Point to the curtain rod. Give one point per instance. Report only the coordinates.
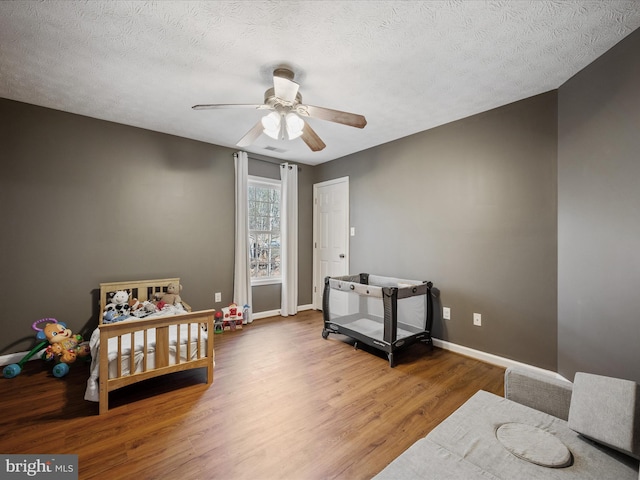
(260, 158)
(291, 165)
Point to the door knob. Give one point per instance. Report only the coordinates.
(342, 255)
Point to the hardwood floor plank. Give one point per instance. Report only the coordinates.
(285, 404)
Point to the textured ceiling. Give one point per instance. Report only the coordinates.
(406, 65)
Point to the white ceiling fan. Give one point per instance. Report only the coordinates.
(286, 111)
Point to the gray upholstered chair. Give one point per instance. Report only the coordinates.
(603, 409)
(545, 428)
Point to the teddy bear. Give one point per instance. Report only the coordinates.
(171, 296)
(64, 347)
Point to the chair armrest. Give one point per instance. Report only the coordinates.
(536, 390)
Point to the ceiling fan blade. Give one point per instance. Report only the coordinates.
(337, 116)
(284, 86)
(251, 136)
(311, 138)
(229, 105)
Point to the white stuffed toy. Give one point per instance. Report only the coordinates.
(119, 307)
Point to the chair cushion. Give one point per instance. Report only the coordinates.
(606, 410)
(534, 445)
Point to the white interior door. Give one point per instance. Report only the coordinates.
(330, 233)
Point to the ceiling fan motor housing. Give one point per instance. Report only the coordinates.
(277, 103)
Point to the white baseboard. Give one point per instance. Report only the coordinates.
(15, 358)
(265, 314)
(275, 313)
(490, 358)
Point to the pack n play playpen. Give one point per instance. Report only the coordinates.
(383, 312)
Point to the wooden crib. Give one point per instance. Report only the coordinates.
(161, 345)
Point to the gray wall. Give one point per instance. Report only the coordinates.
(471, 206)
(598, 216)
(87, 201)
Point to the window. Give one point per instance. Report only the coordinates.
(264, 230)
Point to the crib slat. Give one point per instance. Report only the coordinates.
(178, 343)
(132, 356)
(145, 350)
(189, 342)
(162, 347)
(119, 358)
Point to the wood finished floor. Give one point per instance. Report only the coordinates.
(285, 404)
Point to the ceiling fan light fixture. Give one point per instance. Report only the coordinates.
(286, 119)
(272, 123)
(294, 125)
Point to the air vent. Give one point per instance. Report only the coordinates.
(275, 149)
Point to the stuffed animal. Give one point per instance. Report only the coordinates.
(134, 304)
(142, 309)
(118, 307)
(171, 297)
(64, 346)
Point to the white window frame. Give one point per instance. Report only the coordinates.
(270, 182)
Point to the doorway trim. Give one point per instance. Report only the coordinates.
(318, 284)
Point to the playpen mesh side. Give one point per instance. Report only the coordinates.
(412, 305)
(348, 298)
(361, 305)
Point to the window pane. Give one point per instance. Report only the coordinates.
(264, 230)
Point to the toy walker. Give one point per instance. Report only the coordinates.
(59, 345)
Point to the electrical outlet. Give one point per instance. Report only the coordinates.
(477, 319)
(218, 297)
(446, 313)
